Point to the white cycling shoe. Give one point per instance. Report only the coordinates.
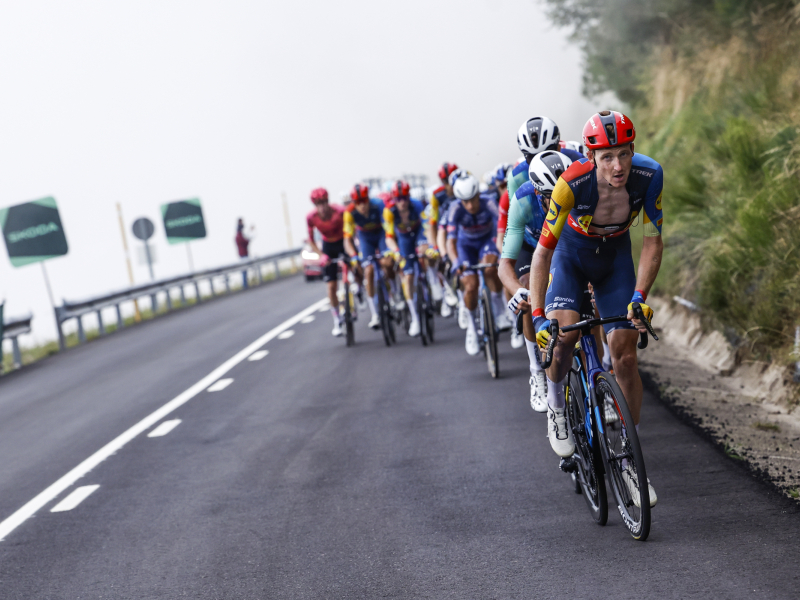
(447, 310)
(538, 392)
(471, 343)
(375, 322)
(503, 322)
(337, 330)
(629, 477)
(463, 316)
(517, 341)
(450, 297)
(558, 432)
(413, 329)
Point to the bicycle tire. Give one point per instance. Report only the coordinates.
(490, 335)
(385, 316)
(620, 440)
(589, 478)
(420, 302)
(348, 315)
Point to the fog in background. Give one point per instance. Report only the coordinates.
(234, 102)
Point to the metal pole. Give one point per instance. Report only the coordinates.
(287, 219)
(149, 260)
(189, 254)
(136, 314)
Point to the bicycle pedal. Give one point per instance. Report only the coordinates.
(568, 465)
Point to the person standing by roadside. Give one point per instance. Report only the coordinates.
(242, 244)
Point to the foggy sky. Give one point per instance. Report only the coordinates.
(234, 102)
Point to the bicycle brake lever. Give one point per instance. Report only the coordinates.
(551, 344)
(638, 313)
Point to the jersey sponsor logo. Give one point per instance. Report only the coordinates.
(560, 299)
(642, 172)
(550, 282)
(584, 222)
(658, 202)
(552, 214)
(582, 207)
(576, 182)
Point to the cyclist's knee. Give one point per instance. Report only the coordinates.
(625, 361)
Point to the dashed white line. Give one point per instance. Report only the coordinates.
(308, 319)
(34, 505)
(286, 334)
(164, 428)
(325, 307)
(258, 355)
(77, 496)
(220, 385)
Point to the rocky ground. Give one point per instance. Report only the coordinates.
(745, 409)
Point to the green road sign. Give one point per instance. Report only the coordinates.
(183, 221)
(33, 231)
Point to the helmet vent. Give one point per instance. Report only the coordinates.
(612, 138)
(544, 138)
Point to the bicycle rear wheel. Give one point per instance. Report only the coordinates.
(621, 451)
(490, 334)
(588, 461)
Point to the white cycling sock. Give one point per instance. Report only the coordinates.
(335, 314)
(606, 356)
(474, 321)
(555, 394)
(412, 308)
(373, 305)
(533, 356)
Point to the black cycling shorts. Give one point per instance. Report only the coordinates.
(524, 259)
(332, 250)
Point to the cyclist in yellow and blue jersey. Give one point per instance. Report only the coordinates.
(585, 238)
(402, 223)
(364, 218)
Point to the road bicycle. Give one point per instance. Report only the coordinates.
(385, 310)
(346, 299)
(487, 336)
(606, 442)
(423, 301)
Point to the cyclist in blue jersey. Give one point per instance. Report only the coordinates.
(365, 216)
(437, 208)
(402, 223)
(471, 226)
(598, 199)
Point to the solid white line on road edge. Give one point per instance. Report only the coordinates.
(77, 496)
(258, 355)
(325, 306)
(220, 385)
(286, 335)
(308, 319)
(164, 428)
(50, 493)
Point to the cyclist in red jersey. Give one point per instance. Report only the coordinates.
(328, 219)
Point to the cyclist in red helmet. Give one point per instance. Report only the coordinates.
(328, 219)
(586, 238)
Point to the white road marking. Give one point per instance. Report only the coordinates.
(286, 335)
(220, 385)
(77, 496)
(325, 306)
(308, 319)
(258, 355)
(164, 428)
(44, 497)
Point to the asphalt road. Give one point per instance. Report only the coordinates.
(329, 472)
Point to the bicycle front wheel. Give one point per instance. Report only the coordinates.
(385, 315)
(420, 304)
(588, 461)
(623, 458)
(489, 334)
(348, 315)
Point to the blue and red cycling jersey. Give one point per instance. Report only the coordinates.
(465, 227)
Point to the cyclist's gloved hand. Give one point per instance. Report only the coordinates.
(638, 296)
(324, 260)
(354, 261)
(521, 295)
(457, 268)
(541, 325)
(432, 253)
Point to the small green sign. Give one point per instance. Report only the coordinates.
(183, 221)
(33, 232)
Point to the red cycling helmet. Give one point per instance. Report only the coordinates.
(319, 195)
(360, 193)
(608, 129)
(400, 189)
(388, 201)
(446, 169)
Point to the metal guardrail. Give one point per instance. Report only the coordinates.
(12, 329)
(78, 309)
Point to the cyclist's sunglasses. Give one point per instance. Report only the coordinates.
(321, 202)
(361, 200)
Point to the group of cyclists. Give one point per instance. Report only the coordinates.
(551, 237)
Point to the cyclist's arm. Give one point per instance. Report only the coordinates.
(540, 275)
(311, 241)
(388, 228)
(349, 229)
(653, 245)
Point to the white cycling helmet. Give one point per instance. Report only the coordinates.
(545, 170)
(536, 135)
(451, 179)
(465, 184)
(577, 146)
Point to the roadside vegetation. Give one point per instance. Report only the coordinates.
(714, 89)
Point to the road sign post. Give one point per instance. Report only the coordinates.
(33, 233)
